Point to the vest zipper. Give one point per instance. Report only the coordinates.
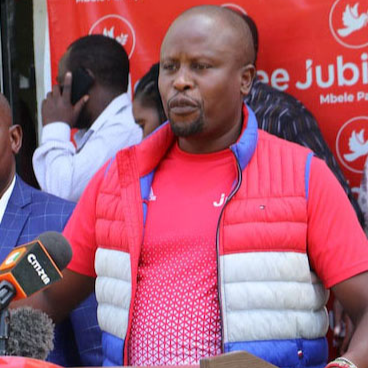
(231, 195)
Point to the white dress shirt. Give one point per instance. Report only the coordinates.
(5, 199)
(63, 169)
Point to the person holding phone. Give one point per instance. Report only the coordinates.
(91, 95)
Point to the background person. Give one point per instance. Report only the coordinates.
(148, 111)
(103, 116)
(25, 213)
(363, 195)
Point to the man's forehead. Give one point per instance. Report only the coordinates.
(199, 29)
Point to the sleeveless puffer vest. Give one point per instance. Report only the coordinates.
(272, 304)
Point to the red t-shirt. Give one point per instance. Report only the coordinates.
(176, 318)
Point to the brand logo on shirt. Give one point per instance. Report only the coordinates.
(221, 201)
(349, 23)
(152, 196)
(352, 144)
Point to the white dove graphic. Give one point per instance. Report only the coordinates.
(357, 146)
(352, 20)
(109, 32)
(123, 38)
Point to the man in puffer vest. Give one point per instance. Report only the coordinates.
(212, 236)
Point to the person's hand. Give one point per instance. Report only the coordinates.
(57, 107)
(343, 328)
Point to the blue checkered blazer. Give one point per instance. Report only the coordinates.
(29, 213)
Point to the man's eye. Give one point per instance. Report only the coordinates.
(169, 66)
(201, 66)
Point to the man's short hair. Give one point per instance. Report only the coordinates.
(105, 57)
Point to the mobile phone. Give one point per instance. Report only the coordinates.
(82, 81)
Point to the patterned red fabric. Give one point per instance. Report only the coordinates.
(176, 318)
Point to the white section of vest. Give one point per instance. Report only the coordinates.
(113, 290)
(271, 295)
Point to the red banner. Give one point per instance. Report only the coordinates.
(317, 50)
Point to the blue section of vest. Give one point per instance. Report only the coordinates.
(307, 173)
(293, 353)
(113, 349)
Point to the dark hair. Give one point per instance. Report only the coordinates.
(105, 57)
(147, 91)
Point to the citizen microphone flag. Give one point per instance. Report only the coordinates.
(33, 266)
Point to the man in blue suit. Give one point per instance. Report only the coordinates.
(24, 214)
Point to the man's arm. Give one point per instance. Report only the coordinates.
(353, 295)
(62, 297)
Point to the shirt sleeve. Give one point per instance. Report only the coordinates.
(80, 229)
(63, 171)
(301, 127)
(337, 245)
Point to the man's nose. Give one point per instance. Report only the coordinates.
(183, 79)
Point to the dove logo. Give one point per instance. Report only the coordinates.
(352, 144)
(117, 27)
(349, 23)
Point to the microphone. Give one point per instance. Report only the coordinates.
(31, 333)
(31, 267)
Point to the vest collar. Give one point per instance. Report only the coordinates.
(153, 148)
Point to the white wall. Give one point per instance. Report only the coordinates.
(42, 55)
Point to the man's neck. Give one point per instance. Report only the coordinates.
(102, 99)
(7, 182)
(5, 196)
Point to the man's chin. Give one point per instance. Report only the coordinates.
(186, 129)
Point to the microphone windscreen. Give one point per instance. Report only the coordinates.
(31, 333)
(58, 248)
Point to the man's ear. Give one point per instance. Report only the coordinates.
(248, 73)
(16, 135)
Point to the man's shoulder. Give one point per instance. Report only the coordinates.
(273, 141)
(43, 197)
(44, 200)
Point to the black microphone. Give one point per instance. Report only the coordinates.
(31, 333)
(33, 266)
(30, 268)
